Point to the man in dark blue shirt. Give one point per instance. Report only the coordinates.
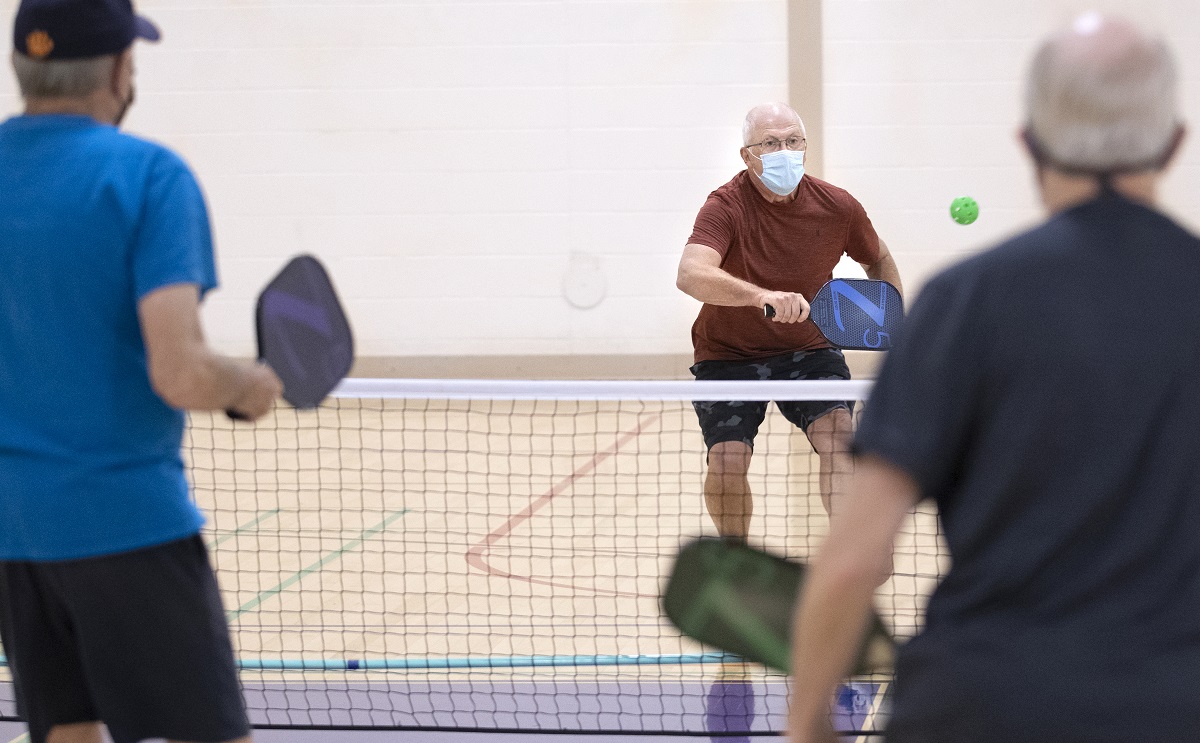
(1046, 395)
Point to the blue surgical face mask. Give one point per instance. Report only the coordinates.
(782, 170)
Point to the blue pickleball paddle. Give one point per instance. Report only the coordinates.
(858, 314)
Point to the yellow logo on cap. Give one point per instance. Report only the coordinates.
(39, 44)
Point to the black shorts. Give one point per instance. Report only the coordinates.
(739, 421)
(137, 640)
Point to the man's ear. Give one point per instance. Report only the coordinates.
(1025, 135)
(122, 63)
(1173, 149)
(745, 153)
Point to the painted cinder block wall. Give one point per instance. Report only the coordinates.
(518, 178)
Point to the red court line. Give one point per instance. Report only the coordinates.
(475, 555)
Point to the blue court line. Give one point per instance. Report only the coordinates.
(485, 661)
(248, 525)
(297, 577)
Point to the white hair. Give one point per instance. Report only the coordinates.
(763, 111)
(61, 78)
(1101, 97)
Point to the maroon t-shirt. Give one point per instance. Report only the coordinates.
(790, 247)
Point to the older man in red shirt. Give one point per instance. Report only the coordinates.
(772, 235)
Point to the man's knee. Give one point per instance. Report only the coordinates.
(729, 458)
(830, 434)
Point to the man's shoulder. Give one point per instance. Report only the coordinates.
(1009, 266)
(1000, 265)
(825, 186)
(728, 201)
(732, 191)
(145, 150)
(1063, 237)
(830, 192)
(82, 132)
(125, 155)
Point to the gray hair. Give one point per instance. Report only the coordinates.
(61, 78)
(1101, 97)
(764, 110)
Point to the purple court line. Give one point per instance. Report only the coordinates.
(475, 555)
(725, 709)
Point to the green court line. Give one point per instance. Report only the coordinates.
(23, 738)
(248, 525)
(296, 578)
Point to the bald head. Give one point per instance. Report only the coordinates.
(1101, 97)
(769, 116)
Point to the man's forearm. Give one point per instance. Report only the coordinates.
(835, 605)
(829, 625)
(713, 285)
(206, 381)
(885, 269)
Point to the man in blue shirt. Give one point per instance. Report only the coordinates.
(109, 609)
(1046, 395)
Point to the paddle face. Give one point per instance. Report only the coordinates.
(740, 600)
(858, 314)
(303, 334)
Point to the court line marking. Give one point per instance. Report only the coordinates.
(316, 566)
(22, 738)
(475, 555)
(249, 524)
(426, 663)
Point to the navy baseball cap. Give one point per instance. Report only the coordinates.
(76, 29)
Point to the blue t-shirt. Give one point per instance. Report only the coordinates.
(91, 220)
(1047, 395)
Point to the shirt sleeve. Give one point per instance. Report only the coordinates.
(862, 242)
(929, 390)
(715, 226)
(173, 243)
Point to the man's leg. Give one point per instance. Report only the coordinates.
(727, 489)
(729, 429)
(51, 687)
(830, 438)
(82, 732)
(160, 662)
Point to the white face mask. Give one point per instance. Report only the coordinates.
(782, 170)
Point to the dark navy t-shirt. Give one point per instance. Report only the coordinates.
(1046, 394)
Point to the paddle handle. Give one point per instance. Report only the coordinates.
(768, 311)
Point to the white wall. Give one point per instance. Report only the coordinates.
(923, 101)
(452, 160)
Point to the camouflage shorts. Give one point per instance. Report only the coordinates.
(739, 421)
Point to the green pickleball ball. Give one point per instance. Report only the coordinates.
(964, 210)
